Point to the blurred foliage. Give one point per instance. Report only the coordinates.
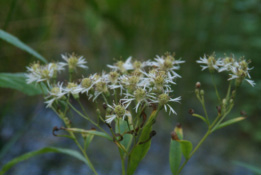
(102, 30)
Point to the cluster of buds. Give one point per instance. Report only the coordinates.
(136, 84)
(237, 69)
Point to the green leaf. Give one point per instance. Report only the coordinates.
(26, 156)
(140, 150)
(252, 168)
(88, 139)
(121, 126)
(186, 147)
(229, 122)
(16, 42)
(201, 117)
(175, 155)
(18, 81)
(92, 132)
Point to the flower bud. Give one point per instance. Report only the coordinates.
(198, 85)
(191, 111)
(202, 92)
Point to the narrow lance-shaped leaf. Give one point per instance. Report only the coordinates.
(143, 146)
(26, 156)
(18, 81)
(175, 153)
(186, 147)
(252, 168)
(16, 42)
(229, 122)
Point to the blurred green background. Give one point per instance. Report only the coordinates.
(102, 30)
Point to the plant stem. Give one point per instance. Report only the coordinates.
(219, 99)
(195, 149)
(86, 117)
(204, 108)
(122, 162)
(78, 144)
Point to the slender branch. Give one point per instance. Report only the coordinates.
(213, 80)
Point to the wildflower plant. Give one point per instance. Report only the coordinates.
(128, 98)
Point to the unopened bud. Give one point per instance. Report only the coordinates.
(174, 136)
(104, 105)
(191, 111)
(197, 91)
(243, 113)
(198, 85)
(202, 92)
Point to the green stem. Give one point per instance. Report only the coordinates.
(85, 117)
(122, 162)
(78, 144)
(219, 99)
(195, 149)
(204, 108)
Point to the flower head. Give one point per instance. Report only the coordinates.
(74, 61)
(119, 111)
(122, 66)
(55, 93)
(209, 63)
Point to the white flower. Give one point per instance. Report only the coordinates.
(118, 111)
(43, 73)
(73, 61)
(169, 64)
(101, 85)
(122, 66)
(240, 74)
(209, 63)
(73, 88)
(88, 83)
(56, 93)
(164, 99)
(157, 80)
(226, 64)
(140, 96)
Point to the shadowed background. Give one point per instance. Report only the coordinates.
(107, 29)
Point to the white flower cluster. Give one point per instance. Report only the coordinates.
(237, 69)
(129, 84)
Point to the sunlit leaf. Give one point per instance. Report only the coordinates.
(16, 42)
